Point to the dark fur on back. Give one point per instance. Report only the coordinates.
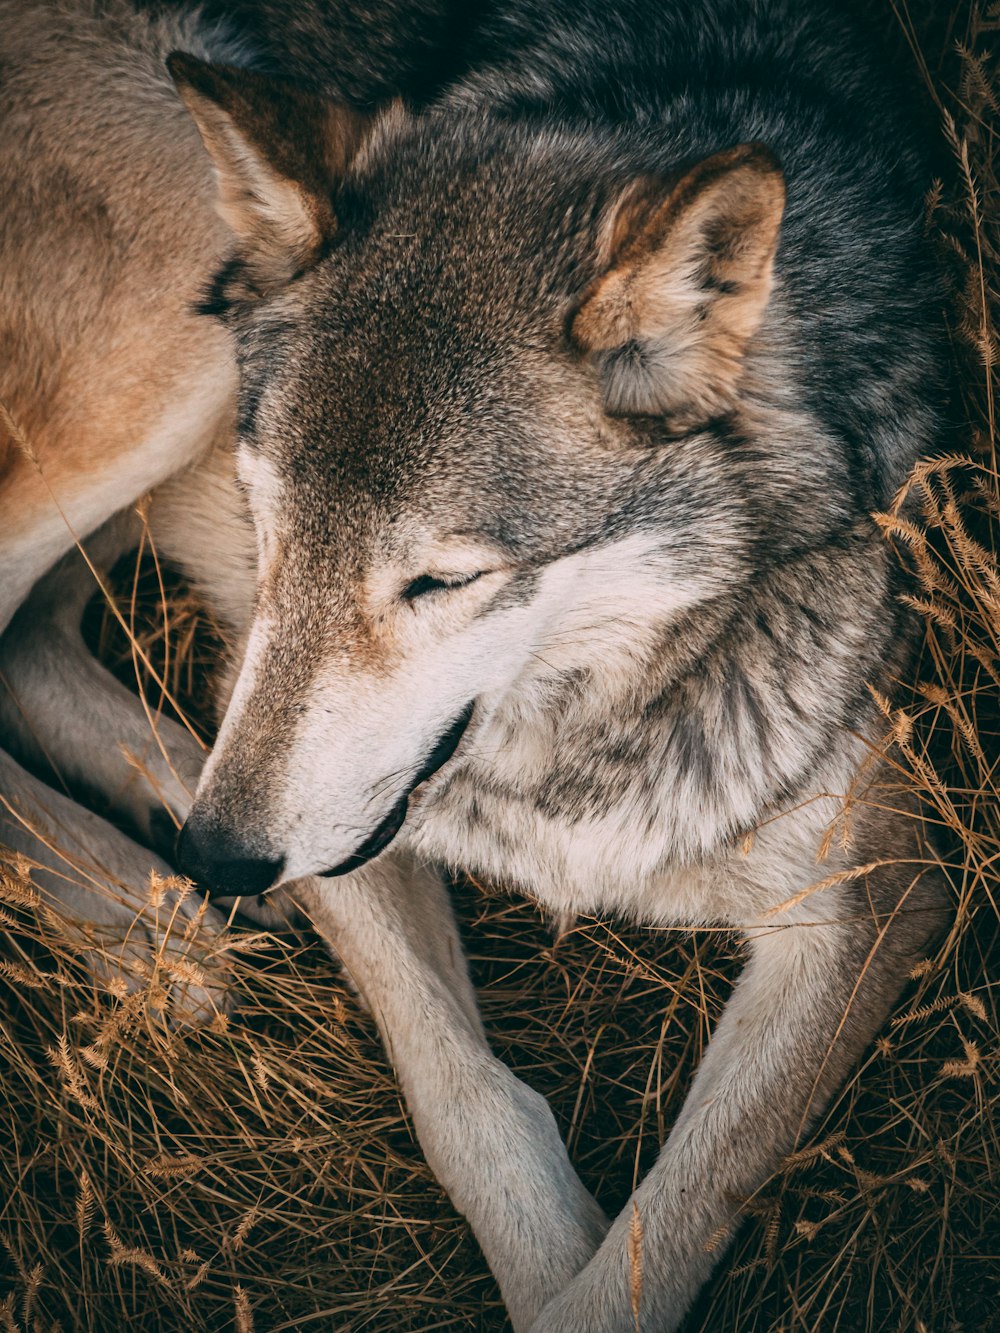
(363, 53)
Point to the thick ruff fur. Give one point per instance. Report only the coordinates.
(568, 401)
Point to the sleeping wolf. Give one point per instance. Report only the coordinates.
(562, 409)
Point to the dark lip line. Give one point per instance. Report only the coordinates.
(441, 751)
(443, 748)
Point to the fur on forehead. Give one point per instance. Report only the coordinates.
(515, 212)
(461, 323)
(431, 371)
(496, 226)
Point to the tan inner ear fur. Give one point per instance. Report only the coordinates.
(276, 152)
(690, 276)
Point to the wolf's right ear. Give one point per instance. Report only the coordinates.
(277, 152)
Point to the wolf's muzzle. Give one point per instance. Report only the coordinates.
(438, 756)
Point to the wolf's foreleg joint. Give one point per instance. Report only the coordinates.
(491, 1141)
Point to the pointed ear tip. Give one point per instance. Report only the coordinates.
(764, 160)
(757, 174)
(192, 79)
(762, 153)
(745, 172)
(197, 78)
(181, 65)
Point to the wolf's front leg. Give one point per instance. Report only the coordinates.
(810, 998)
(491, 1141)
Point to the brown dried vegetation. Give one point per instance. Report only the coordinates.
(261, 1173)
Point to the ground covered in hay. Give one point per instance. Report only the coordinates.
(261, 1173)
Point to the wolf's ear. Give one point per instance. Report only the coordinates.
(277, 151)
(689, 269)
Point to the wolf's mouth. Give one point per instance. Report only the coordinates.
(440, 752)
(443, 748)
(374, 843)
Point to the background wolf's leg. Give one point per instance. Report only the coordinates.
(62, 712)
(100, 882)
(809, 1000)
(491, 1141)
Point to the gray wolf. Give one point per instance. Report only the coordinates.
(561, 408)
(564, 407)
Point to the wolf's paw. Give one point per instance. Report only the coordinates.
(100, 898)
(172, 948)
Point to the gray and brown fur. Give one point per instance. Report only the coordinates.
(580, 419)
(568, 398)
(116, 386)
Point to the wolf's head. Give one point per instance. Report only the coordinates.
(483, 370)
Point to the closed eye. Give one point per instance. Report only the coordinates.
(428, 583)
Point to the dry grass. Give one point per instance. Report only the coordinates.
(262, 1174)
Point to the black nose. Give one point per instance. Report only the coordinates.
(225, 867)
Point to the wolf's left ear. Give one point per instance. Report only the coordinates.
(688, 278)
(277, 152)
